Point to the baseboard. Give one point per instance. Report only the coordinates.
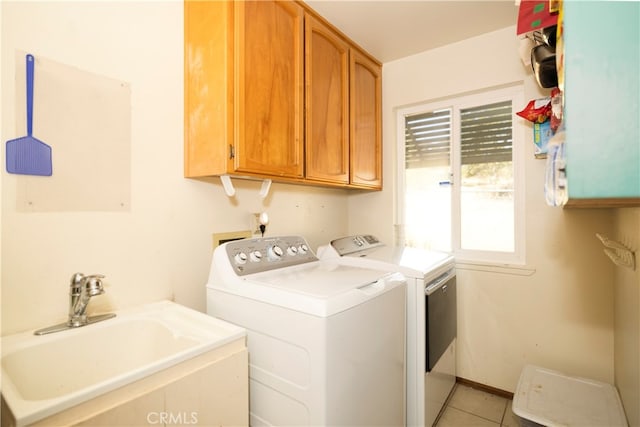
(483, 387)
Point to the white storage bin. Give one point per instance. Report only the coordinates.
(549, 398)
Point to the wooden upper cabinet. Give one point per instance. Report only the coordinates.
(208, 87)
(365, 127)
(272, 90)
(269, 64)
(327, 103)
(244, 88)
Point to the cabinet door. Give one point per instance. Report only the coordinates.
(366, 128)
(208, 87)
(327, 103)
(269, 88)
(602, 103)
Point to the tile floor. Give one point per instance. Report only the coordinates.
(468, 407)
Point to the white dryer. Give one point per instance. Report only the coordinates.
(326, 340)
(431, 316)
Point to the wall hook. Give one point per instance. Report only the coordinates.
(231, 191)
(264, 190)
(618, 253)
(227, 185)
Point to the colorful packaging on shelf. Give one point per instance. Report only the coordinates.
(556, 109)
(535, 15)
(542, 133)
(537, 110)
(555, 186)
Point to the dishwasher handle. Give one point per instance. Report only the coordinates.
(439, 282)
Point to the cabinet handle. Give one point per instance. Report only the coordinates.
(232, 153)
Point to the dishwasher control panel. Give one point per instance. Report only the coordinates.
(249, 256)
(358, 243)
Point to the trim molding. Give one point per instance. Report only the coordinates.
(483, 387)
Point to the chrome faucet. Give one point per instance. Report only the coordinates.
(82, 288)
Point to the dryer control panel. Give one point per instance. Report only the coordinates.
(358, 243)
(249, 256)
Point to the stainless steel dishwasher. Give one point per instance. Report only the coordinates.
(440, 317)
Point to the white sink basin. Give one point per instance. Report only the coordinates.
(42, 375)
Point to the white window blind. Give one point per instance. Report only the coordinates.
(485, 136)
(486, 133)
(428, 139)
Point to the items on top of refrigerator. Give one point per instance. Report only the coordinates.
(535, 15)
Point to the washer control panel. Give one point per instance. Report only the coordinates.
(358, 243)
(249, 256)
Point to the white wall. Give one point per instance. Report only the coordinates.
(161, 247)
(561, 316)
(627, 316)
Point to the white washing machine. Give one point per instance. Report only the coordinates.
(326, 340)
(431, 316)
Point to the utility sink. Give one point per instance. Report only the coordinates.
(42, 375)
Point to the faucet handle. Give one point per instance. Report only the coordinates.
(91, 281)
(93, 284)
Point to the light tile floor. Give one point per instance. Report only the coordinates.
(468, 407)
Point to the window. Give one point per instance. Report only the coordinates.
(460, 176)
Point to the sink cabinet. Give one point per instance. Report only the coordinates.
(273, 91)
(209, 389)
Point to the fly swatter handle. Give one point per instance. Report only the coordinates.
(30, 73)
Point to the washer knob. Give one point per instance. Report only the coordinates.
(275, 252)
(292, 250)
(255, 256)
(240, 258)
(303, 249)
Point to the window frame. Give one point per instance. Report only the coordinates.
(515, 93)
